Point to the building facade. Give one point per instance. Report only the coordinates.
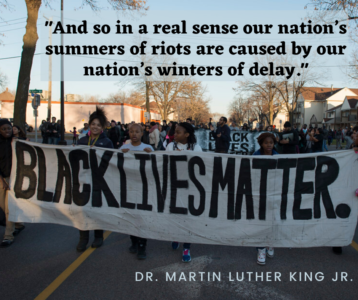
(316, 106)
(77, 113)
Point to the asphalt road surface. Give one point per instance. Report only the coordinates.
(43, 263)
(32, 266)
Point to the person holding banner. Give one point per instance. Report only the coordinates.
(221, 136)
(354, 146)
(94, 137)
(267, 142)
(289, 139)
(6, 136)
(184, 140)
(135, 133)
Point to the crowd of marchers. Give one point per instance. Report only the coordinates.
(153, 136)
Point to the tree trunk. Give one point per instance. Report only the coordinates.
(271, 111)
(28, 51)
(147, 88)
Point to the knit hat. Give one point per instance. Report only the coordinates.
(287, 124)
(4, 121)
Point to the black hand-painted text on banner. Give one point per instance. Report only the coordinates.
(284, 200)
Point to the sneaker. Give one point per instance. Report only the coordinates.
(141, 252)
(186, 255)
(18, 230)
(82, 245)
(261, 256)
(6, 243)
(175, 245)
(337, 250)
(97, 242)
(270, 252)
(134, 248)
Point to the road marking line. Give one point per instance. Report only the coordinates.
(354, 245)
(63, 276)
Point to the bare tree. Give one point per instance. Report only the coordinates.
(346, 11)
(3, 80)
(119, 97)
(349, 8)
(291, 89)
(264, 88)
(238, 110)
(30, 40)
(192, 102)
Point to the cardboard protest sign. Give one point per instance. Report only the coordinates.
(283, 201)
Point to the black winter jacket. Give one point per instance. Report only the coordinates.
(222, 143)
(5, 156)
(102, 142)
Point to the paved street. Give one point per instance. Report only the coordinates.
(43, 251)
(43, 262)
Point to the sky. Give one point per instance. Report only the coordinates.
(13, 22)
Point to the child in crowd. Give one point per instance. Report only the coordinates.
(74, 140)
(267, 143)
(184, 140)
(135, 144)
(19, 133)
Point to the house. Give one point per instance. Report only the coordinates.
(6, 95)
(349, 111)
(316, 105)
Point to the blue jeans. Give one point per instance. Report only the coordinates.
(324, 146)
(186, 246)
(53, 140)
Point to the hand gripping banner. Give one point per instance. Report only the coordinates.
(303, 200)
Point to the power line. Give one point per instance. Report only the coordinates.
(16, 28)
(12, 24)
(13, 20)
(3, 58)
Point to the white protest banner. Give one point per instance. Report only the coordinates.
(281, 201)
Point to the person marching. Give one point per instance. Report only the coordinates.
(6, 136)
(184, 140)
(221, 136)
(19, 133)
(135, 133)
(95, 137)
(267, 143)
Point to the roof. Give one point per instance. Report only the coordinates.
(320, 93)
(6, 95)
(352, 100)
(328, 121)
(334, 108)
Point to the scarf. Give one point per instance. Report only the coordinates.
(153, 128)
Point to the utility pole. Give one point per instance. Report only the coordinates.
(62, 141)
(49, 72)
